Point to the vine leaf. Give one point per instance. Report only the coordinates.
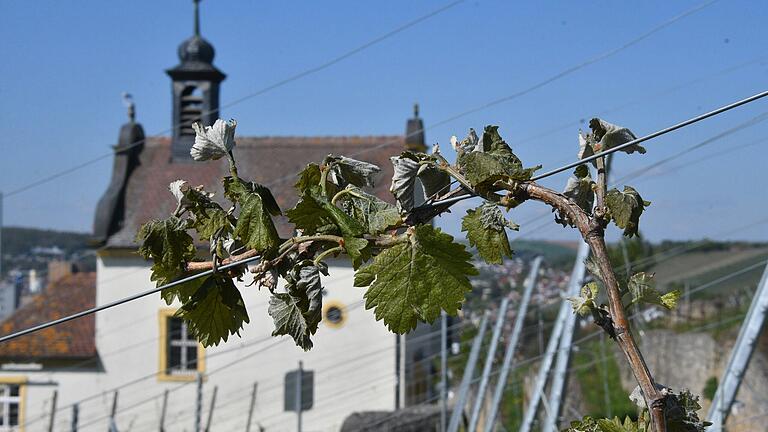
(492, 160)
(309, 180)
(626, 208)
(409, 167)
(587, 300)
(404, 181)
(309, 216)
(610, 135)
(343, 171)
(642, 288)
(254, 225)
(358, 250)
(237, 189)
(579, 190)
(215, 311)
(315, 214)
(298, 311)
(209, 219)
(168, 245)
(414, 280)
(373, 213)
(486, 230)
(213, 142)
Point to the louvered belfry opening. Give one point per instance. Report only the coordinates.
(191, 109)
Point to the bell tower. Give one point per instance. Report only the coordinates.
(195, 85)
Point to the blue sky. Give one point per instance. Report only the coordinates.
(66, 64)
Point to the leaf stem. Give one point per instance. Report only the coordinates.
(232, 166)
(325, 253)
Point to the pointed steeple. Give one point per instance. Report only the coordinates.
(414, 132)
(195, 87)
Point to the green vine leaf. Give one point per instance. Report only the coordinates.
(209, 219)
(168, 245)
(237, 190)
(625, 208)
(587, 300)
(358, 249)
(298, 311)
(317, 215)
(254, 224)
(375, 215)
(309, 216)
(414, 280)
(215, 311)
(309, 180)
(642, 288)
(486, 230)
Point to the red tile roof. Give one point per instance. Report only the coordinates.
(72, 340)
(272, 161)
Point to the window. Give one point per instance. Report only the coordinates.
(12, 395)
(181, 356)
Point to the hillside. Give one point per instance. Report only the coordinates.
(32, 248)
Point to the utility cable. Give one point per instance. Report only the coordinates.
(494, 102)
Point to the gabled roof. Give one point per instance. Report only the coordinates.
(272, 161)
(72, 340)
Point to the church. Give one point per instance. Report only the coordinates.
(136, 367)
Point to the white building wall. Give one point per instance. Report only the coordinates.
(354, 365)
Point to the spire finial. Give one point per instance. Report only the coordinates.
(415, 110)
(130, 106)
(197, 17)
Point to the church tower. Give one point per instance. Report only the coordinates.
(195, 87)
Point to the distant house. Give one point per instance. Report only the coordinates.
(141, 350)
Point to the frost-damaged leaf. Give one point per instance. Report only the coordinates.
(579, 190)
(414, 280)
(610, 135)
(407, 168)
(586, 301)
(626, 208)
(343, 171)
(254, 225)
(215, 311)
(433, 180)
(486, 230)
(298, 311)
(468, 144)
(209, 219)
(494, 161)
(404, 181)
(374, 214)
(213, 142)
(587, 145)
(642, 287)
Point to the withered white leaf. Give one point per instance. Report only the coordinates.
(213, 142)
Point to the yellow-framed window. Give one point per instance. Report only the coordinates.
(181, 357)
(13, 395)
